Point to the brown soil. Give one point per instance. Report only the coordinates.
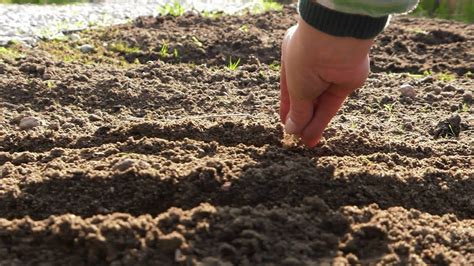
(411, 45)
(168, 163)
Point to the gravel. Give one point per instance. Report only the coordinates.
(29, 23)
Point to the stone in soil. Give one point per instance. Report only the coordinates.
(86, 48)
(28, 122)
(408, 90)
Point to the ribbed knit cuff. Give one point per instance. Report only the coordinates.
(340, 24)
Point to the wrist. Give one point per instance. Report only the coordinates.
(338, 23)
(329, 50)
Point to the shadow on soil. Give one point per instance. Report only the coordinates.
(279, 177)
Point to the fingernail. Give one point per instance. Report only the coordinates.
(290, 126)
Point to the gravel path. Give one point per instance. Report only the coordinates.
(28, 23)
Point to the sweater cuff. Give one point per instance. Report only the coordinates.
(340, 24)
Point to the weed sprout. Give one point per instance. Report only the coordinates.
(244, 28)
(233, 65)
(274, 66)
(164, 50)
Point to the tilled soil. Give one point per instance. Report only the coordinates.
(169, 161)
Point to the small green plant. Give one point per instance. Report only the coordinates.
(427, 73)
(452, 130)
(274, 66)
(353, 124)
(388, 107)
(267, 5)
(233, 65)
(123, 47)
(244, 28)
(164, 50)
(10, 53)
(446, 77)
(465, 108)
(50, 84)
(175, 9)
(212, 14)
(175, 53)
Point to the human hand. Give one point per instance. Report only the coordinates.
(318, 72)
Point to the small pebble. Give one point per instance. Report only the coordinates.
(454, 107)
(467, 97)
(68, 125)
(123, 165)
(436, 89)
(428, 79)
(28, 122)
(226, 186)
(74, 37)
(78, 121)
(407, 90)
(86, 48)
(94, 118)
(408, 126)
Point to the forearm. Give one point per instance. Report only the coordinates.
(360, 19)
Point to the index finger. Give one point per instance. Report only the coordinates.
(329, 103)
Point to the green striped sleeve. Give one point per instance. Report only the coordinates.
(373, 8)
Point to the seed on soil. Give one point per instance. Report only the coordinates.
(28, 122)
(86, 48)
(407, 90)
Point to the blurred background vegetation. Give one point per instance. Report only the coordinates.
(461, 10)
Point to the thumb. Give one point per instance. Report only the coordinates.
(300, 114)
